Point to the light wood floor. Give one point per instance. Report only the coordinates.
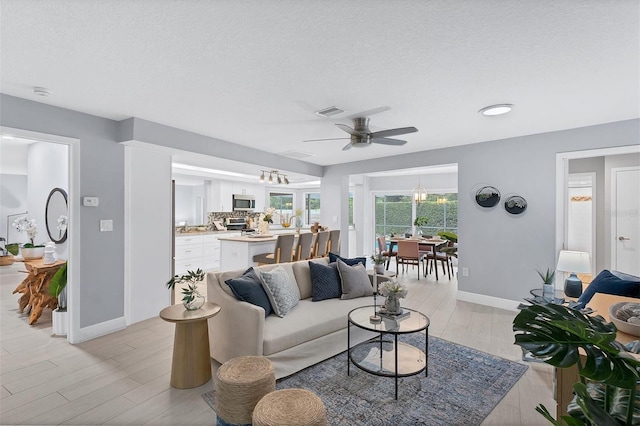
(123, 378)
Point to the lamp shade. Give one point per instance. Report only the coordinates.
(574, 261)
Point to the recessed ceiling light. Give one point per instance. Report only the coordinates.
(498, 109)
(7, 137)
(41, 91)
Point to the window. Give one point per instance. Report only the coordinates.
(282, 202)
(441, 211)
(311, 208)
(394, 214)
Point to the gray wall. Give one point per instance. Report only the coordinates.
(502, 251)
(102, 175)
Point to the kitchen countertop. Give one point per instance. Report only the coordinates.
(191, 233)
(247, 239)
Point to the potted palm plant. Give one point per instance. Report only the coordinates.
(57, 288)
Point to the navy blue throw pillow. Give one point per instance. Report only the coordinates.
(248, 288)
(325, 282)
(608, 283)
(351, 262)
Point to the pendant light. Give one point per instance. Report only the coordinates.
(419, 194)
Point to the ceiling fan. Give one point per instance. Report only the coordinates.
(361, 136)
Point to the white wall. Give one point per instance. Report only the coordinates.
(148, 232)
(13, 200)
(48, 165)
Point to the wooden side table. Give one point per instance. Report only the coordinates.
(35, 288)
(191, 365)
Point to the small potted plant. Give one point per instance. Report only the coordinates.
(378, 261)
(29, 250)
(6, 258)
(548, 292)
(191, 298)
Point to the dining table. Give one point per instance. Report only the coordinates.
(424, 244)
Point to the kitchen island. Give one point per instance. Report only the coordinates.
(238, 252)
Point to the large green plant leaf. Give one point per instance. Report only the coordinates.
(58, 281)
(556, 333)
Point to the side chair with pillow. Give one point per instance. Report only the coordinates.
(281, 254)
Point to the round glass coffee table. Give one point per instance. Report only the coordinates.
(384, 355)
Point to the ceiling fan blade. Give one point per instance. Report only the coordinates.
(347, 147)
(348, 129)
(393, 132)
(327, 139)
(387, 141)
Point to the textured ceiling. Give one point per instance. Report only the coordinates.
(253, 72)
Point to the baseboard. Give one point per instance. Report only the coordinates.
(101, 329)
(481, 299)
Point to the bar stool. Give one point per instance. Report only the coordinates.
(303, 248)
(334, 241)
(282, 253)
(322, 244)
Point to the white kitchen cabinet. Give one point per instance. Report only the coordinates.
(195, 251)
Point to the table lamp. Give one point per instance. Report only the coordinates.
(573, 262)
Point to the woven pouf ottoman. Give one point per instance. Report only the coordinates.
(241, 382)
(291, 407)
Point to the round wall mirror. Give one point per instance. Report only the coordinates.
(56, 215)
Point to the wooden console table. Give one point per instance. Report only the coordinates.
(566, 377)
(35, 288)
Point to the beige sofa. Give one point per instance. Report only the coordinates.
(311, 332)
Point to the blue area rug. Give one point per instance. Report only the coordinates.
(463, 386)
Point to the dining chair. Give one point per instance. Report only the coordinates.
(383, 250)
(440, 256)
(334, 241)
(322, 244)
(409, 254)
(304, 246)
(282, 253)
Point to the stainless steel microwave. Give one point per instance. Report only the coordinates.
(243, 203)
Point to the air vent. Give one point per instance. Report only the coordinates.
(298, 155)
(329, 112)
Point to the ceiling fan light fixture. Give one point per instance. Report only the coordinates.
(497, 109)
(286, 180)
(270, 178)
(262, 177)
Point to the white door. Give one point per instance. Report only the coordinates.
(625, 224)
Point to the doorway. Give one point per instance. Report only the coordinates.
(625, 226)
(44, 175)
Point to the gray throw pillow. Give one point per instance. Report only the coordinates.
(283, 293)
(355, 281)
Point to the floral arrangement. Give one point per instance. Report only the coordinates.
(268, 215)
(23, 224)
(392, 287)
(378, 258)
(62, 224)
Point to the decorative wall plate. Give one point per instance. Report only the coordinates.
(515, 204)
(487, 196)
